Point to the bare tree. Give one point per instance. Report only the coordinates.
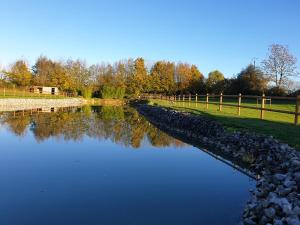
(280, 65)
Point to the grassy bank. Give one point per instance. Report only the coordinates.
(34, 97)
(278, 125)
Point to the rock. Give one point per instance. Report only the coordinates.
(277, 222)
(297, 168)
(284, 191)
(295, 163)
(270, 212)
(279, 201)
(249, 221)
(293, 220)
(264, 220)
(297, 176)
(279, 177)
(261, 194)
(296, 210)
(287, 209)
(289, 183)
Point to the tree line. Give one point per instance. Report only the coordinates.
(132, 77)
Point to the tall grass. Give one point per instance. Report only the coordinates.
(87, 92)
(109, 92)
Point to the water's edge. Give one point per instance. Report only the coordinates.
(276, 165)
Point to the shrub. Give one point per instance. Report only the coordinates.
(109, 92)
(87, 92)
(276, 91)
(295, 93)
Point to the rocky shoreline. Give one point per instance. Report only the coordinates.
(14, 104)
(276, 199)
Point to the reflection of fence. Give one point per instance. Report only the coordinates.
(236, 101)
(26, 93)
(36, 111)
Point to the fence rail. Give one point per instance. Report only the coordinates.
(261, 102)
(15, 92)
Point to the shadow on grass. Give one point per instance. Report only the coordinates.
(283, 131)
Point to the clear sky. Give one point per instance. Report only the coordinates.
(224, 35)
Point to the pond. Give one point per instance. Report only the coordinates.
(110, 166)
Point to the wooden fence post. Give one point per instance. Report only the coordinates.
(190, 97)
(183, 97)
(196, 98)
(239, 104)
(297, 109)
(221, 102)
(262, 111)
(207, 96)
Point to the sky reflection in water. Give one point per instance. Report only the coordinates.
(108, 165)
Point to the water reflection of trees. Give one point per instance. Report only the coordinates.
(121, 125)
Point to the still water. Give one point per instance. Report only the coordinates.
(109, 166)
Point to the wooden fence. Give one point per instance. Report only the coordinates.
(19, 93)
(261, 102)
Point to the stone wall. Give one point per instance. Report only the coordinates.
(14, 104)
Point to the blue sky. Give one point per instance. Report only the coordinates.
(224, 35)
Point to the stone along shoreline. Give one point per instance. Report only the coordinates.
(276, 199)
(14, 104)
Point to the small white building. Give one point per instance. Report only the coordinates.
(44, 90)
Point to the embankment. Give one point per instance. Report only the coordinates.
(14, 104)
(276, 199)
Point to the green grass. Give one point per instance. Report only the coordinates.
(34, 96)
(10, 93)
(278, 125)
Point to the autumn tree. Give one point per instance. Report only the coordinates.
(250, 81)
(162, 77)
(59, 77)
(189, 78)
(79, 73)
(19, 74)
(138, 80)
(183, 76)
(120, 74)
(42, 71)
(105, 75)
(215, 81)
(280, 65)
(51, 73)
(196, 81)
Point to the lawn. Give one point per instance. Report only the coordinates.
(16, 93)
(278, 125)
(35, 97)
